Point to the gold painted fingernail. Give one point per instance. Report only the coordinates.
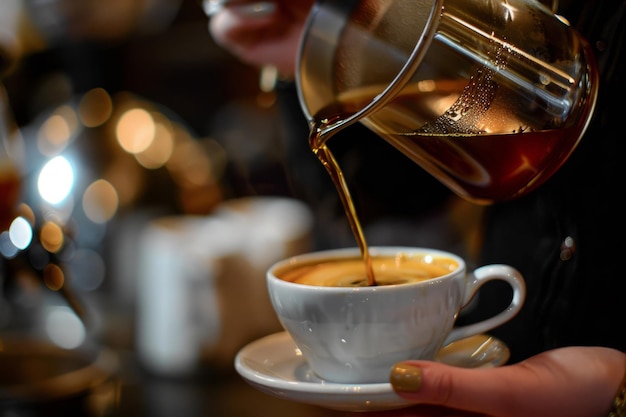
(405, 377)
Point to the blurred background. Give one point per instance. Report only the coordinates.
(147, 180)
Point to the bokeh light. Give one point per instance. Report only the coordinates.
(7, 248)
(20, 233)
(95, 107)
(51, 237)
(160, 149)
(100, 201)
(64, 327)
(53, 277)
(57, 131)
(135, 130)
(55, 180)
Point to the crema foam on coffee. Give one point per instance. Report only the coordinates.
(389, 270)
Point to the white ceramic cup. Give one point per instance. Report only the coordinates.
(356, 334)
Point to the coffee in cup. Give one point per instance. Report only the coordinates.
(351, 332)
(389, 270)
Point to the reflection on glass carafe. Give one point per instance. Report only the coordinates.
(490, 97)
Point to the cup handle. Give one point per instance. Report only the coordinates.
(474, 281)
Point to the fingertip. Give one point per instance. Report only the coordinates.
(406, 377)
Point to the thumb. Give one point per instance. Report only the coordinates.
(579, 381)
(485, 391)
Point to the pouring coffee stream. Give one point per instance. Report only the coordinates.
(317, 141)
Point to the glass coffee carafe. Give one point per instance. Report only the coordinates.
(489, 96)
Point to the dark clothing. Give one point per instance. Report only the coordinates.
(568, 238)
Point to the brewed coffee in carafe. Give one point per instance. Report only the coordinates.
(490, 97)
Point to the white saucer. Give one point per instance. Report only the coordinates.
(274, 365)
